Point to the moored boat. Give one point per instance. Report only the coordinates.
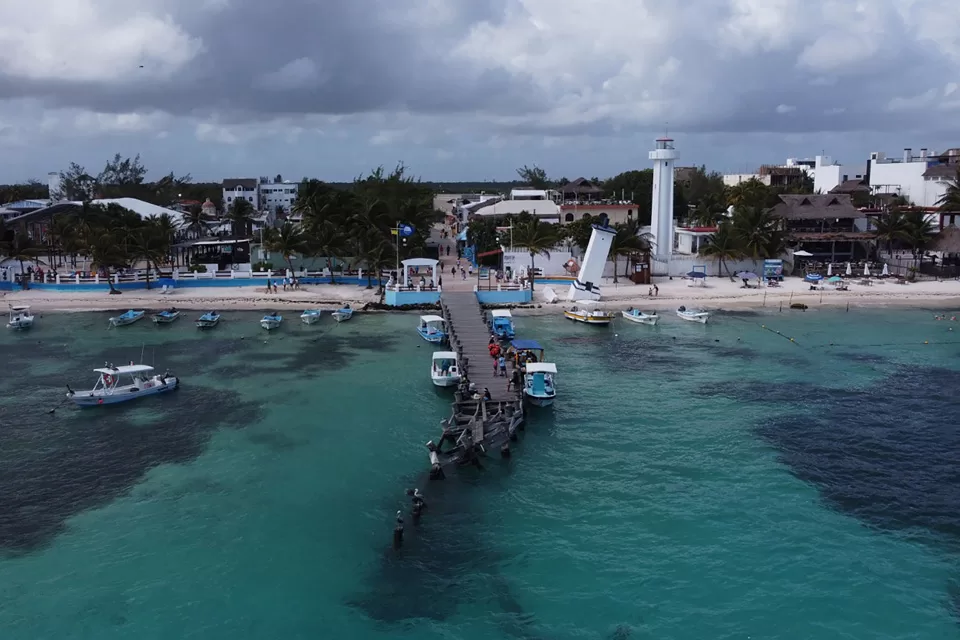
(208, 320)
(445, 369)
(166, 317)
(432, 329)
(271, 321)
(693, 315)
(502, 324)
(310, 316)
(538, 385)
(109, 388)
(343, 314)
(587, 313)
(20, 317)
(125, 318)
(635, 315)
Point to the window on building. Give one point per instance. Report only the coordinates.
(250, 198)
(586, 216)
(568, 217)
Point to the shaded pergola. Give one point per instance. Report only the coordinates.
(418, 262)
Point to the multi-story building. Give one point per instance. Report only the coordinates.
(241, 188)
(829, 174)
(793, 171)
(278, 193)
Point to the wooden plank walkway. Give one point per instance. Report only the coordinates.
(471, 337)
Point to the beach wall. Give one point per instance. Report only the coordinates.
(198, 283)
(399, 298)
(515, 296)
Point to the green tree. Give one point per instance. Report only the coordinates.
(758, 232)
(634, 186)
(22, 249)
(195, 221)
(949, 202)
(105, 251)
(918, 232)
(151, 244)
(890, 227)
(534, 176)
(241, 214)
(288, 240)
(750, 194)
(538, 238)
(628, 241)
(578, 232)
(723, 245)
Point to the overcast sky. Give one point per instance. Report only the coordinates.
(469, 89)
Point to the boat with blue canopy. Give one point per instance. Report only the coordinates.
(125, 318)
(433, 329)
(503, 324)
(166, 316)
(524, 351)
(538, 383)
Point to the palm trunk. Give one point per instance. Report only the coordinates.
(532, 272)
(614, 269)
(148, 275)
(330, 269)
(110, 281)
(23, 277)
(369, 280)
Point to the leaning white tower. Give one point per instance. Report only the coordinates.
(661, 210)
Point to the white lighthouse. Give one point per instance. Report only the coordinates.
(661, 210)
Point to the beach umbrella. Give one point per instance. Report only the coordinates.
(696, 274)
(835, 279)
(813, 277)
(866, 269)
(849, 269)
(748, 275)
(829, 269)
(886, 271)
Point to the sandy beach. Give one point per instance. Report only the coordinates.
(719, 293)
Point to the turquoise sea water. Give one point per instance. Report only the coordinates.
(692, 481)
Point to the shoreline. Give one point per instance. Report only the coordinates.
(719, 295)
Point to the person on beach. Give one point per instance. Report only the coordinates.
(268, 285)
(656, 291)
(502, 362)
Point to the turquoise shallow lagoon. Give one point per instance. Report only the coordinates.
(691, 482)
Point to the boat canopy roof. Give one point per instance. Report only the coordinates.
(526, 344)
(501, 313)
(444, 355)
(20, 307)
(587, 303)
(125, 369)
(541, 367)
(432, 319)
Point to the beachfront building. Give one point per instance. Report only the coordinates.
(793, 171)
(278, 193)
(602, 213)
(241, 188)
(541, 203)
(580, 190)
(36, 222)
(826, 225)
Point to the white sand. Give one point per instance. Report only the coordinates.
(720, 293)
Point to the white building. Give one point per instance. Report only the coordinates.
(910, 176)
(278, 193)
(829, 174)
(241, 188)
(790, 171)
(664, 158)
(536, 202)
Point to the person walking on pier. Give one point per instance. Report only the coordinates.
(502, 363)
(514, 381)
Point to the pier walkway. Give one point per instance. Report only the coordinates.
(470, 337)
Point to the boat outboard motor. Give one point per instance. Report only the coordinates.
(398, 531)
(682, 308)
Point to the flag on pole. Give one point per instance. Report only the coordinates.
(394, 231)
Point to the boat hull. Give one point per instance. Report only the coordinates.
(270, 325)
(445, 381)
(158, 319)
(540, 401)
(20, 323)
(700, 318)
(342, 316)
(122, 322)
(121, 394)
(433, 338)
(641, 319)
(594, 320)
(310, 318)
(207, 324)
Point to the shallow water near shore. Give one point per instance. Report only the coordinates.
(718, 481)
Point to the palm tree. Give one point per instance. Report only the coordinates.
(21, 248)
(287, 241)
(758, 232)
(628, 241)
(890, 226)
(195, 220)
(723, 245)
(377, 254)
(949, 202)
(538, 238)
(105, 251)
(150, 243)
(241, 214)
(918, 232)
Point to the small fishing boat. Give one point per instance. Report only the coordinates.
(538, 383)
(166, 317)
(586, 312)
(693, 315)
(432, 329)
(271, 321)
(503, 324)
(343, 314)
(208, 320)
(635, 315)
(110, 389)
(125, 318)
(20, 317)
(445, 369)
(310, 316)
(525, 351)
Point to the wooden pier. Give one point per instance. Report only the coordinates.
(476, 427)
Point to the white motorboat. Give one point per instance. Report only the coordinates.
(585, 311)
(310, 316)
(693, 315)
(445, 369)
(166, 317)
(635, 315)
(20, 317)
(538, 384)
(271, 321)
(433, 329)
(208, 320)
(502, 324)
(110, 389)
(125, 318)
(343, 314)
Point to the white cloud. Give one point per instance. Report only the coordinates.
(785, 108)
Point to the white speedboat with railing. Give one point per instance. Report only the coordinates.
(120, 384)
(538, 384)
(20, 317)
(587, 312)
(639, 317)
(693, 315)
(445, 369)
